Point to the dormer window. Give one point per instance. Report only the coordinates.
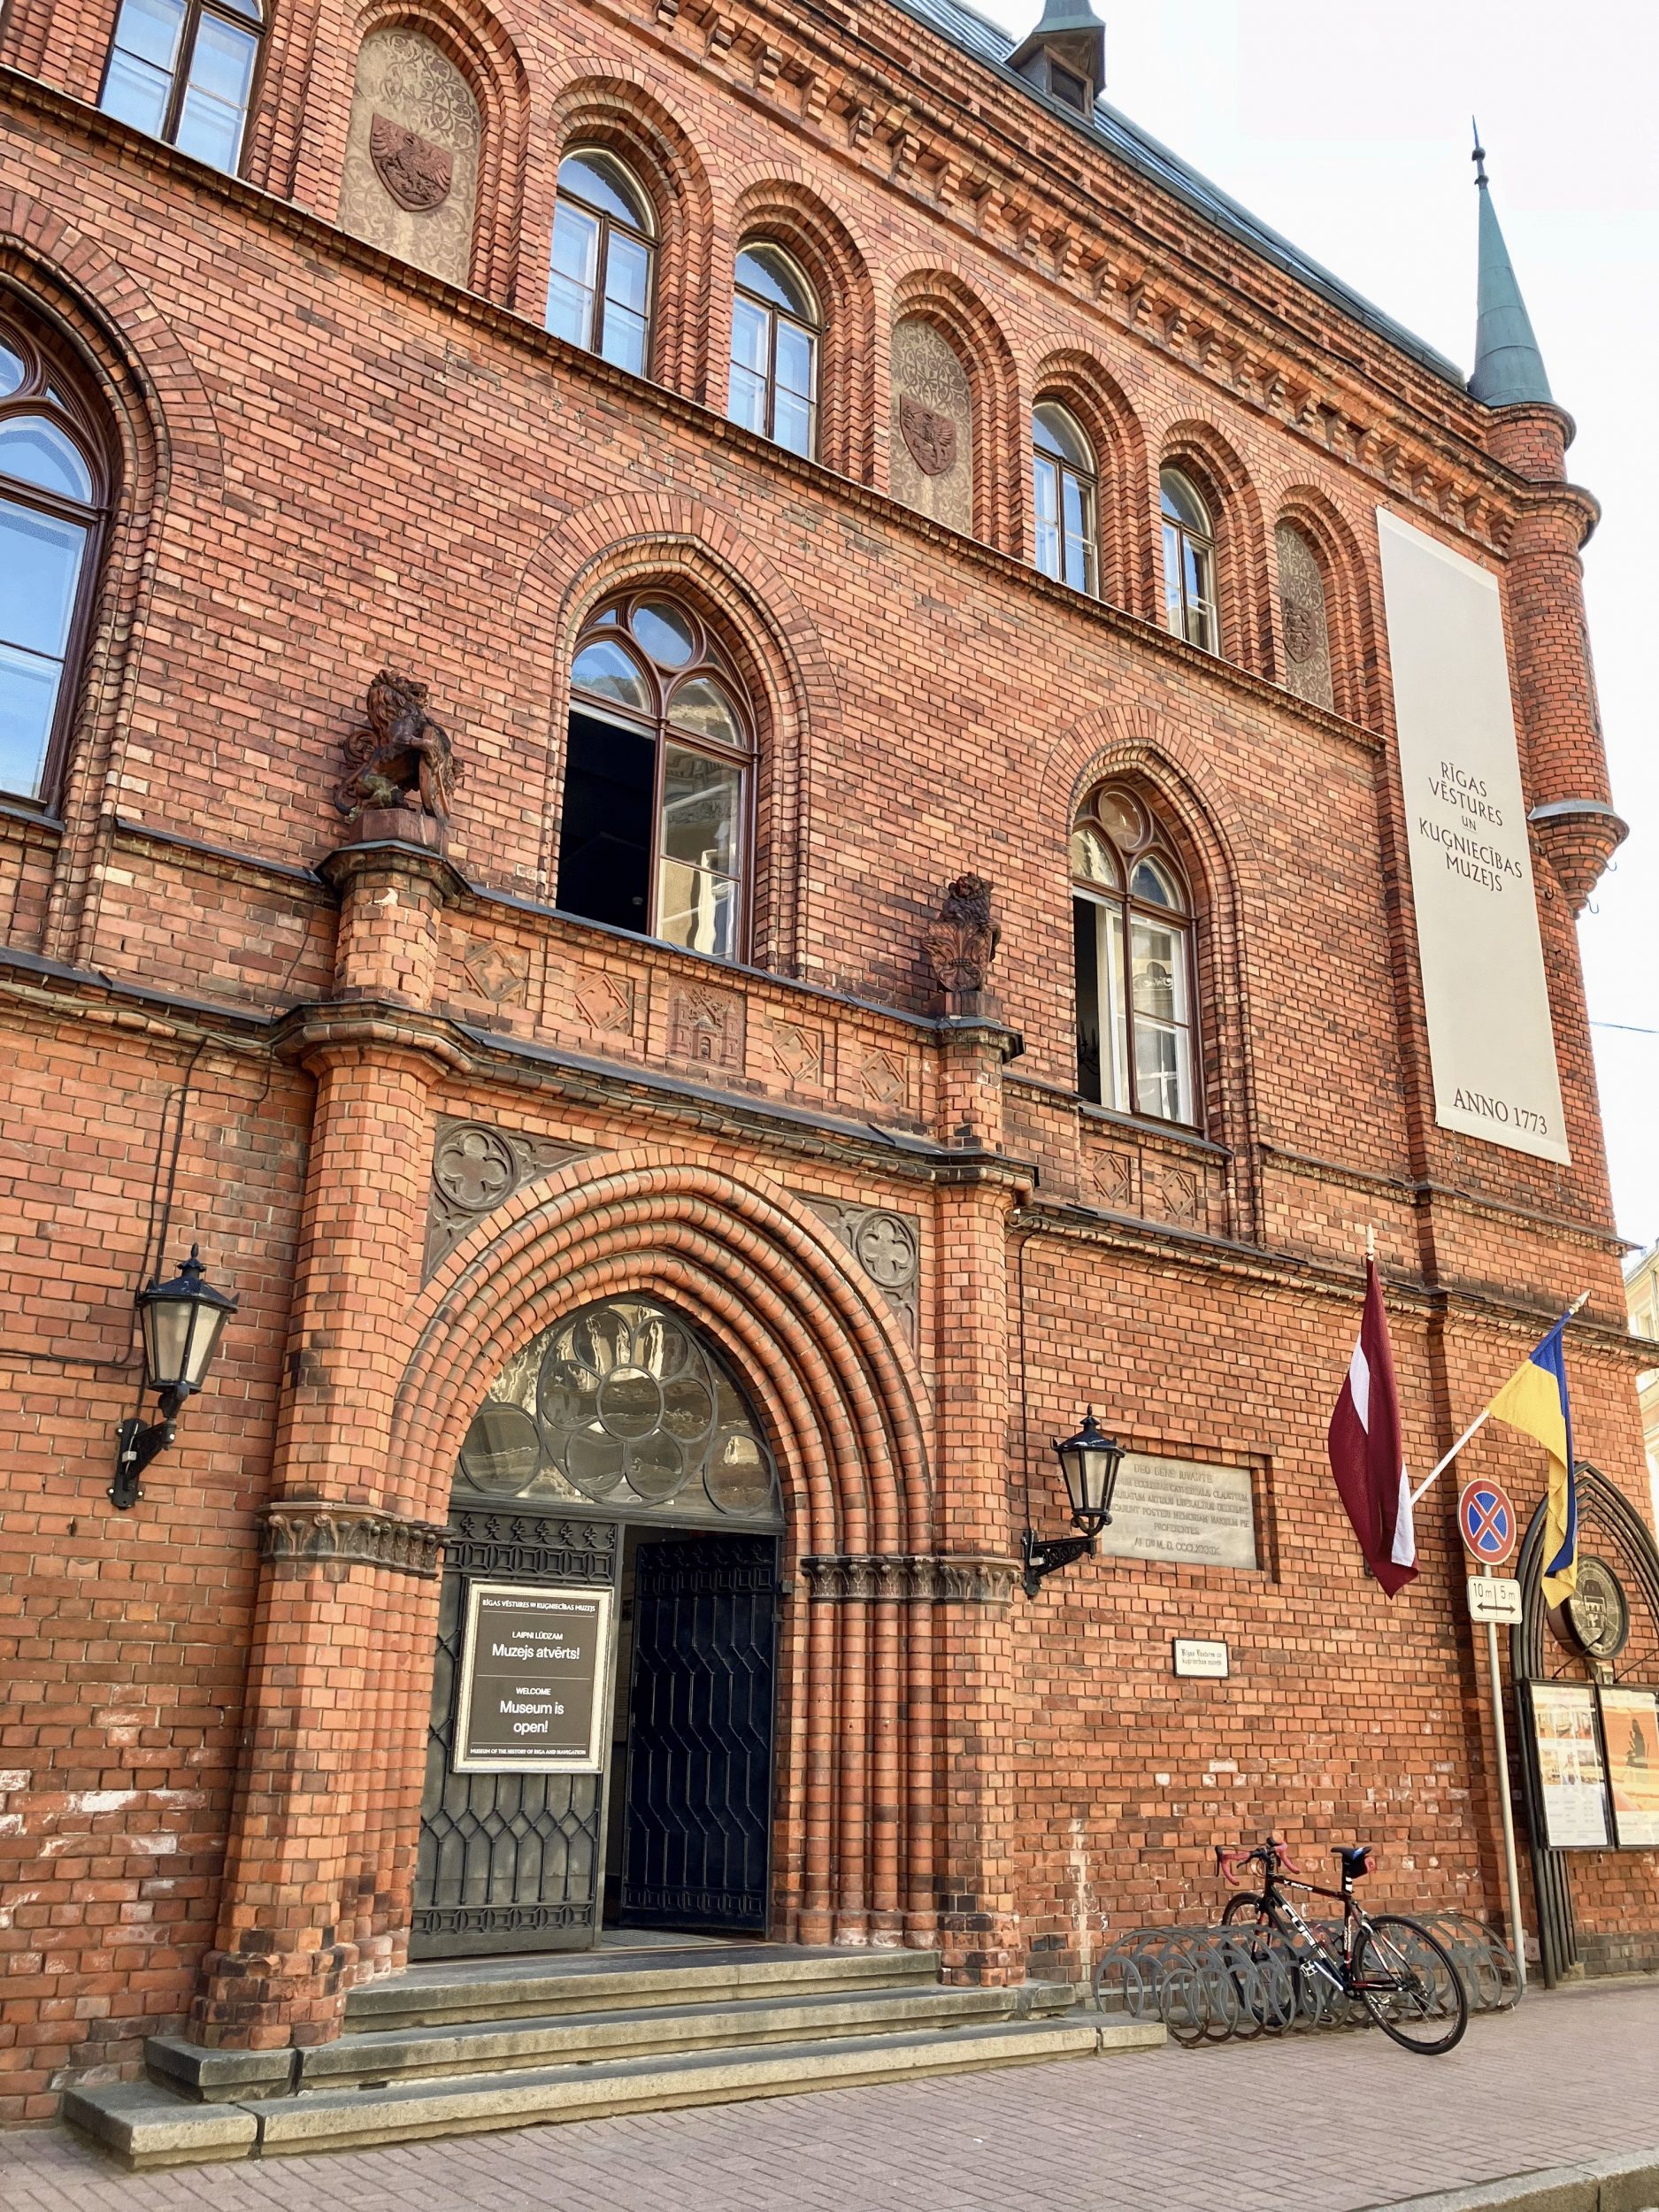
(1066, 85)
(1065, 55)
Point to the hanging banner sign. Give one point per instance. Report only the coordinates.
(1491, 1043)
(535, 1664)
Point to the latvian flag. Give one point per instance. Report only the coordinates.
(1367, 1457)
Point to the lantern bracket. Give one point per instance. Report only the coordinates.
(136, 1444)
(1046, 1555)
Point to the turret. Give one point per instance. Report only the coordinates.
(1066, 55)
(1573, 814)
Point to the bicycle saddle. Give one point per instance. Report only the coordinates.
(1355, 1859)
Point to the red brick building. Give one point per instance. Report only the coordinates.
(629, 1181)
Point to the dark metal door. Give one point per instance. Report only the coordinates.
(508, 1862)
(698, 1823)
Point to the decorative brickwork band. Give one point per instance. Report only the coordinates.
(912, 1577)
(305, 1533)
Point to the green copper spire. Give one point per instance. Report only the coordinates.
(1508, 368)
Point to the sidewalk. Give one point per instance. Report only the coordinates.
(1336, 2123)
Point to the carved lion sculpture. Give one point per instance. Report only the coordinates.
(401, 759)
(962, 943)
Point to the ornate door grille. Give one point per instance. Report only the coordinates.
(697, 1824)
(508, 1862)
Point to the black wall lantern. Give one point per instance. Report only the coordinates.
(1089, 1461)
(182, 1322)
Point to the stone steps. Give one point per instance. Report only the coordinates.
(454, 2049)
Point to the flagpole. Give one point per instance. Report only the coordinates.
(1582, 1300)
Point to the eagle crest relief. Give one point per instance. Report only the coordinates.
(416, 173)
(930, 438)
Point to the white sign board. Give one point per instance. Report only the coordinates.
(1195, 1656)
(1491, 1043)
(1182, 1510)
(1494, 1598)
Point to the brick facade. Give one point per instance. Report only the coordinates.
(221, 1013)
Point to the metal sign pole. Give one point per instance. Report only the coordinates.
(1500, 1745)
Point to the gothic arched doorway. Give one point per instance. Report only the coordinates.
(603, 1712)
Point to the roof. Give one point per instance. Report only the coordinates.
(1509, 369)
(971, 33)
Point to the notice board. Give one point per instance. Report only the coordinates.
(533, 1693)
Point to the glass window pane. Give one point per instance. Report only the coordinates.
(792, 423)
(1045, 503)
(664, 632)
(35, 452)
(1086, 944)
(697, 910)
(703, 708)
(1092, 859)
(796, 356)
(1180, 501)
(40, 568)
(1153, 883)
(1157, 1072)
(1158, 973)
(1057, 431)
(12, 371)
(627, 274)
(700, 810)
(221, 62)
(747, 401)
(605, 668)
(768, 272)
(148, 31)
(209, 131)
(751, 328)
(28, 701)
(1080, 563)
(569, 310)
(1112, 956)
(624, 339)
(604, 183)
(1172, 609)
(576, 244)
(136, 94)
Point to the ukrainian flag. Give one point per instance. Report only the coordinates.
(1535, 1401)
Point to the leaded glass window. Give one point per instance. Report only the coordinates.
(627, 1405)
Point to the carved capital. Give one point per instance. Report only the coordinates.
(909, 1578)
(300, 1533)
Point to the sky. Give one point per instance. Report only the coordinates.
(1348, 129)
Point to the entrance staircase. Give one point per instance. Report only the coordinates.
(501, 2043)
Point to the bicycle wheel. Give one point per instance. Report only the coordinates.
(1409, 1986)
(1245, 1906)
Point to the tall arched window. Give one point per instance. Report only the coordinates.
(658, 797)
(1189, 562)
(1132, 929)
(182, 70)
(54, 491)
(775, 324)
(600, 295)
(1064, 497)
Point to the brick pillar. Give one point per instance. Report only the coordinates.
(349, 1595)
(1567, 784)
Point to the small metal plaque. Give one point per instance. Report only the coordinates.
(1494, 1598)
(1182, 1511)
(1205, 1661)
(535, 1668)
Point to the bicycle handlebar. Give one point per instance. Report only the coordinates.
(1228, 1863)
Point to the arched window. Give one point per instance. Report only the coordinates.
(600, 295)
(775, 324)
(1304, 626)
(1132, 933)
(182, 70)
(1189, 562)
(1064, 497)
(657, 779)
(54, 490)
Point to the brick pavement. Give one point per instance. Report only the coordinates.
(1572, 2075)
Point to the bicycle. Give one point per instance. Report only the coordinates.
(1399, 1972)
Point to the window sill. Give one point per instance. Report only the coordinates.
(1173, 1133)
(49, 826)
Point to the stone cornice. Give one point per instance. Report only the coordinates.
(1434, 468)
(299, 1534)
(909, 1578)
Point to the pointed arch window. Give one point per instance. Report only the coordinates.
(183, 70)
(604, 235)
(53, 495)
(1132, 930)
(776, 324)
(659, 778)
(1064, 497)
(1189, 562)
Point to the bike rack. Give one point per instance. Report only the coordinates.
(1225, 1985)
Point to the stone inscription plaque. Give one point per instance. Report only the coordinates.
(1182, 1511)
(535, 1668)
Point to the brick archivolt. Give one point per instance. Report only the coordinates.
(838, 1387)
(1081, 381)
(946, 299)
(1214, 465)
(1349, 613)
